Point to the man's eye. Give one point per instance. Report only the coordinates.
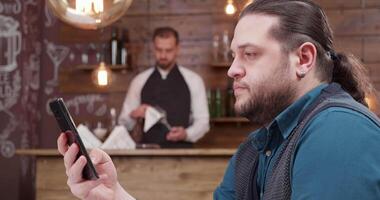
(250, 54)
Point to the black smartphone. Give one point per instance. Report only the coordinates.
(66, 124)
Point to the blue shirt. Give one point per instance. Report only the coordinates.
(337, 156)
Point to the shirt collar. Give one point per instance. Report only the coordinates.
(285, 122)
(288, 119)
(164, 73)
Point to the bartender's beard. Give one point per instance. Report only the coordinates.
(165, 65)
(269, 97)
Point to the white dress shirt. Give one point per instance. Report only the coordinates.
(199, 115)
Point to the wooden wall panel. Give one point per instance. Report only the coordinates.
(138, 26)
(139, 7)
(183, 7)
(371, 21)
(372, 49)
(374, 71)
(346, 22)
(353, 45)
(192, 28)
(222, 22)
(195, 54)
(339, 4)
(372, 3)
(69, 35)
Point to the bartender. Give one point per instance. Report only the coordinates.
(177, 90)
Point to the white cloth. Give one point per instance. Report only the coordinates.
(152, 116)
(199, 115)
(89, 140)
(119, 138)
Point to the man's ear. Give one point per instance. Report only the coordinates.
(307, 56)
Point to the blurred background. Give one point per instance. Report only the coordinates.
(42, 58)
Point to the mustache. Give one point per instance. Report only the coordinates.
(237, 85)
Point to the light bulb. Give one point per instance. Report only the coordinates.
(89, 14)
(230, 9)
(98, 6)
(102, 75)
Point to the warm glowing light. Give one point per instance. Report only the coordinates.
(371, 103)
(102, 78)
(248, 2)
(102, 75)
(230, 8)
(89, 6)
(98, 6)
(89, 14)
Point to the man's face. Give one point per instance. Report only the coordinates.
(165, 51)
(263, 84)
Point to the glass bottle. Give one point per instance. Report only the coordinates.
(218, 103)
(211, 101)
(125, 50)
(226, 46)
(114, 48)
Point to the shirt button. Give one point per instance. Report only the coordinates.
(268, 153)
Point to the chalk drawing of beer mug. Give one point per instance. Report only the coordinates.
(10, 43)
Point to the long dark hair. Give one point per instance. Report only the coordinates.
(304, 21)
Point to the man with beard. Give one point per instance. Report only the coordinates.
(318, 140)
(174, 89)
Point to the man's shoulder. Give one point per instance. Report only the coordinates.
(188, 73)
(340, 147)
(145, 73)
(343, 115)
(338, 122)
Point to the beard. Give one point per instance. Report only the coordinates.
(164, 64)
(269, 97)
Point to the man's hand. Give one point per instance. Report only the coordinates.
(106, 187)
(176, 134)
(139, 112)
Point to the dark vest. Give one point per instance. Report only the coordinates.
(278, 185)
(172, 95)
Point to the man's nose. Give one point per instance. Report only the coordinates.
(236, 70)
(163, 55)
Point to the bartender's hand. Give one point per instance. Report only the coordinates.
(139, 112)
(176, 134)
(106, 187)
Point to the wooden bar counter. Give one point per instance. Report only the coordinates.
(179, 174)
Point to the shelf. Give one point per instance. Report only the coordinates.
(221, 64)
(70, 79)
(92, 67)
(229, 120)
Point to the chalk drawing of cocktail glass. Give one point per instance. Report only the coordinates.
(10, 43)
(57, 54)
